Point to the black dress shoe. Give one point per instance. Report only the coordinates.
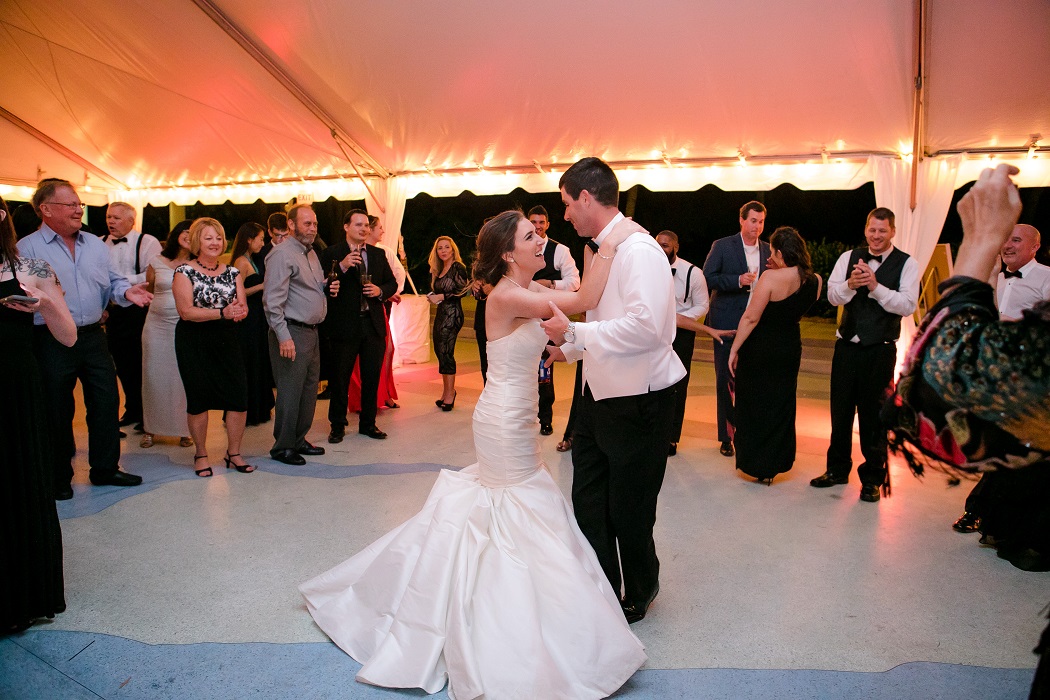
(63, 493)
(546, 429)
(140, 427)
(128, 419)
(336, 436)
(726, 449)
(117, 478)
(309, 450)
(288, 457)
(373, 432)
(325, 395)
(672, 450)
(828, 479)
(635, 612)
(967, 523)
(869, 493)
(121, 434)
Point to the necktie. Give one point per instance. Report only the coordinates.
(673, 271)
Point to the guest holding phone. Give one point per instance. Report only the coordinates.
(31, 584)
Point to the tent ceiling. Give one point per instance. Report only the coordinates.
(156, 93)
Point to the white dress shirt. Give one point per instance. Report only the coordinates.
(123, 254)
(570, 274)
(699, 300)
(1016, 294)
(901, 302)
(400, 275)
(626, 340)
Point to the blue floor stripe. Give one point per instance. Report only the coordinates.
(41, 664)
(158, 470)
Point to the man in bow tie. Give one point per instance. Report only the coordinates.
(1022, 282)
(876, 286)
(131, 253)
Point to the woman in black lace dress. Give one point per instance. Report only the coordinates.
(448, 282)
(766, 355)
(210, 299)
(31, 583)
(248, 242)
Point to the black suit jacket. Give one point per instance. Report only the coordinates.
(344, 318)
(722, 269)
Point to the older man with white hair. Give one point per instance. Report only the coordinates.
(130, 252)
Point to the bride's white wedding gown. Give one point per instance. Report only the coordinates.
(491, 586)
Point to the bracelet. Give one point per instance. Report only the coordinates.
(604, 257)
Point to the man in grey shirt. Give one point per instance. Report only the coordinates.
(295, 303)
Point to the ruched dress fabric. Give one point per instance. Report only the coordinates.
(766, 382)
(163, 396)
(491, 586)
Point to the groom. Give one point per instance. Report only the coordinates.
(626, 412)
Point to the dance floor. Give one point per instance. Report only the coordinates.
(186, 587)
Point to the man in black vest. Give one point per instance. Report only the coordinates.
(876, 286)
(356, 323)
(560, 272)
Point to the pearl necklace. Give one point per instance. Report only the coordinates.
(513, 282)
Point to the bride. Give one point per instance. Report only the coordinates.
(491, 586)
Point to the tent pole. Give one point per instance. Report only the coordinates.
(281, 76)
(918, 115)
(55, 145)
(360, 177)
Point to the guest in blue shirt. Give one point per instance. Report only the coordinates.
(81, 262)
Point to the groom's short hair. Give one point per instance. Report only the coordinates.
(595, 176)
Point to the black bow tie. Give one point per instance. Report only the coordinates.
(868, 257)
(673, 271)
(592, 245)
(119, 240)
(1007, 274)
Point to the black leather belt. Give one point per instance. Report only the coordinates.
(299, 324)
(90, 327)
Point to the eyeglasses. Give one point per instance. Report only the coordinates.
(75, 205)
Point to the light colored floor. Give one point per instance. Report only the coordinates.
(785, 578)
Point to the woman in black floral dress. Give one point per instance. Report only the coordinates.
(448, 282)
(210, 298)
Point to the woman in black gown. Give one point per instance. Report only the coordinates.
(246, 244)
(31, 583)
(766, 355)
(449, 282)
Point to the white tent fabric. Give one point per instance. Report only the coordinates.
(156, 101)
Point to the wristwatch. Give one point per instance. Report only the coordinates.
(570, 333)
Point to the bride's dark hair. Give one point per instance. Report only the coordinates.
(495, 239)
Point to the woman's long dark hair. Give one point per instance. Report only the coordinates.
(245, 233)
(794, 251)
(171, 245)
(8, 247)
(495, 239)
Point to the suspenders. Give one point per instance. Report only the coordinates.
(138, 252)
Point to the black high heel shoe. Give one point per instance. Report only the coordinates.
(200, 472)
(448, 406)
(242, 468)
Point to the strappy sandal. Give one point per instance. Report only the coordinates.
(185, 442)
(565, 445)
(242, 468)
(200, 472)
(146, 441)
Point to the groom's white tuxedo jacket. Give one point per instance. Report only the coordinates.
(626, 340)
